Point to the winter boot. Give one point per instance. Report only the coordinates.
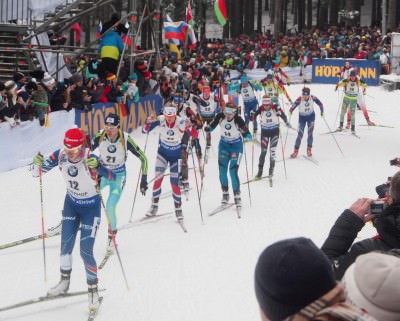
(178, 211)
(154, 208)
(238, 199)
(259, 173)
(62, 286)
(110, 243)
(93, 296)
(225, 196)
(295, 153)
(271, 168)
(309, 153)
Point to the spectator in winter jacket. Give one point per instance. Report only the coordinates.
(339, 245)
(294, 281)
(110, 47)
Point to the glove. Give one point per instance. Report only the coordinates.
(248, 137)
(143, 185)
(92, 162)
(38, 159)
(207, 128)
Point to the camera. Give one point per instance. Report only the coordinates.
(377, 207)
(393, 162)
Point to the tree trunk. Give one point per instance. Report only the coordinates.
(284, 15)
(300, 14)
(318, 12)
(180, 10)
(295, 8)
(259, 15)
(225, 31)
(309, 14)
(392, 14)
(249, 17)
(333, 11)
(277, 18)
(272, 11)
(266, 5)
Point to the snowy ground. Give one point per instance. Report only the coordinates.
(206, 274)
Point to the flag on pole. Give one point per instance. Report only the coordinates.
(189, 16)
(99, 29)
(175, 30)
(220, 11)
(173, 48)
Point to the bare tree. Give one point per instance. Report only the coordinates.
(309, 14)
(249, 17)
(333, 11)
(259, 15)
(392, 14)
(277, 17)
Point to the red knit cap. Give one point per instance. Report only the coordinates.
(73, 138)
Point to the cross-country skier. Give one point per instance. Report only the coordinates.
(269, 122)
(169, 151)
(207, 108)
(282, 79)
(113, 145)
(271, 89)
(250, 101)
(352, 87)
(230, 149)
(81, 207)
(306, 117)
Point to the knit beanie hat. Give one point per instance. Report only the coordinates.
(372, 283)
(112, 119)
(73, 138)
(289, 275)
(48, 80)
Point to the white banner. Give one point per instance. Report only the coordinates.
(292, 72)
(18, 145)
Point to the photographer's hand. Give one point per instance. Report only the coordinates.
(361, 208)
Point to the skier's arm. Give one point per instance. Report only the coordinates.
(295, 104)
(242, 126)
(47, 163)
(281, 114)
(150, 125)
(95, 141)
(215, 121)
(319, 103)
(135, 150)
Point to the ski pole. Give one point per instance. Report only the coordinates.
(197, 187)
(42, 215)
(333, 135)
(137, 183)
(283, 150)
(112, 234)
(287, 132)
(252, 148)
(340, 107)
(247, 172)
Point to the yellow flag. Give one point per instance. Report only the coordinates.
(173, 48)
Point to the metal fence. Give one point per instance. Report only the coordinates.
(15, 11)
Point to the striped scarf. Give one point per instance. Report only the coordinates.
(331, 307)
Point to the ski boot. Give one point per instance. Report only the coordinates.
(295, 153)
(259, 173)
(153, 209)
(271, 168)
(62, 286)
(340, 128)
(238, 199)
(309, 152)
(93, 297)
(110, 244)
(353, 129)
(178, 212)
(225, 196)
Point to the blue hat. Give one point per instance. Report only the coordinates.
(133, 77)
(112, 119)
(244, 79)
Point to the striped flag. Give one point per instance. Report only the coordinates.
(99, 29)
(175, 30)
(220, 11)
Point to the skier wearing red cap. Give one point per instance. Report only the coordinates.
(282, 79)
(81, 207)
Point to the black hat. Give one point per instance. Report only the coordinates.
(289, 275)
(38, 74)
(18, 76)
(112, 119)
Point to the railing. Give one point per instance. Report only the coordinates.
(15, 11)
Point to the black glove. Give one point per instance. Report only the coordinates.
(143, 185)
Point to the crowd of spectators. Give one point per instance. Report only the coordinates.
(100, 80)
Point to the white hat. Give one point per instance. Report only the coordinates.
(373, 284)
(47, 80)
